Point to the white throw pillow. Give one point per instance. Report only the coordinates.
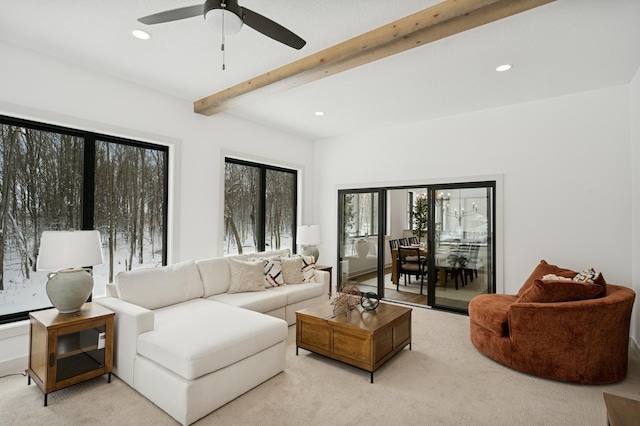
(246, 276)
(292, 270)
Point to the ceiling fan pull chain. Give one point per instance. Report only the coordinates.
(224, 5)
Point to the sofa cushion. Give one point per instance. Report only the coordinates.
(189, 340)
(543, 269)
(154, 288)
(491, 312)
(269, 253)
(547, 291)
(298, 293)
(246, 276)
(261, 301)
(215, 274)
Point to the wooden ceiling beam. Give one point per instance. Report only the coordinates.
(434, 23)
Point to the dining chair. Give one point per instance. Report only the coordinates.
(403, 241)
(471, 268)
(393, 244)
(413, 240)
(411, 262)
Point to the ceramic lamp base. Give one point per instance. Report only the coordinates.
(69, 289)
(311, 251)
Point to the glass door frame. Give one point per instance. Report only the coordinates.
(494, 234)
(382, 231)
(432, 281)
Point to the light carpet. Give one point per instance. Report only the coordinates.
(443, 380)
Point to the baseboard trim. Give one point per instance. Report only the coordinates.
(14, 366)
(634, 347)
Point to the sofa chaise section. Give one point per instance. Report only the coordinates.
(189, 345)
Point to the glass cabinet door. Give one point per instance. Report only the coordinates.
(80, 352)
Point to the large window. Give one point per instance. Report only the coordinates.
(53, 178)
(259, 207)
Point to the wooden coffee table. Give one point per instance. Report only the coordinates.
(364, 339)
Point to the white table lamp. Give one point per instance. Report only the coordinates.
(69, 253)
(308, 236)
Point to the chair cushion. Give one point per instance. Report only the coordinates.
(547, 291)
(491, 311)
(188, 339)
(543, 269)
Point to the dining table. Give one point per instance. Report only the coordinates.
(442, 264)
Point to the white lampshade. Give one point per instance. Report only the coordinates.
(69, 249)
(232, 23)
(308, 235)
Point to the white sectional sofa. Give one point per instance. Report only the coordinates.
(189, 344)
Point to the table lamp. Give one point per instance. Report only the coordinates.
(308, 236)
(69, 253)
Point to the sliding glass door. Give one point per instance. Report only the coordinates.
(447, 228)
(360, 231)
(461, 244)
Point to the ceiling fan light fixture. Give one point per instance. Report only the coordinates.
(142, 35)
(232, 22)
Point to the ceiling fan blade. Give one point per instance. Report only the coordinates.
(173, 15)
(272, 29)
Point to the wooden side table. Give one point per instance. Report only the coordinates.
(329, 269)
(66, 349)
(622, 411)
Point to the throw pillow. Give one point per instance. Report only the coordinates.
(292, 270)
(246, 276)
(308, 268)
(590, 276)
(544, 291)
(555, 277)
(543, 269)
(273, 271)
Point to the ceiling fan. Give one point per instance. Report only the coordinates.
(228, 16)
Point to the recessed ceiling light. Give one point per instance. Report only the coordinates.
(505, 67)
(319, 113)
(142, 35)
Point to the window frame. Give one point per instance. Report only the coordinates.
(261, 226)
(88, 180)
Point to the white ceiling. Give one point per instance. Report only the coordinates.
(560, 48)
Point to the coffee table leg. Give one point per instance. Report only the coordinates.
(372, 377)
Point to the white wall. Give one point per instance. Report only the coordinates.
(635, 199)
(43, 89)
(566, 168)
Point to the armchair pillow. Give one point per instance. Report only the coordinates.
(543, 269)
(547, 291)
(246, 276)
(590, 276)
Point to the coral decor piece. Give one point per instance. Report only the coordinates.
(347, 299)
